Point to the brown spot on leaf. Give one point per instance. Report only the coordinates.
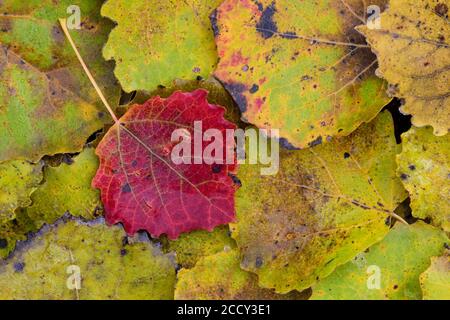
(441, 9)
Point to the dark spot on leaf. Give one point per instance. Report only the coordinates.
(287, 145)
(213, 19)
(316, 142)
(254, 88)
(134, 163)
(126, 188)
(260, 6)
(404, 176)
(395, 287)
(387, 221)
(67, 159)
(235, 179)
(123, 252)
(237, 92)
(441, 9)
(19, 266)
(259, 262)
(266, 26)
(216, 168)
(346, 155)
(412, 167)
(3, 243)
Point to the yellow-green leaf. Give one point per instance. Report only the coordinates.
(435, 281)
(47, 267)
(424, 168)
(190, 247)
(389, 269)
(18, 180)
(67, 189)
(413, 51)
(219, 277)
(298, 66)
(156, 42)
(325, 205)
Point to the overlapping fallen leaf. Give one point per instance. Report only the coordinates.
(298, 66)
(336, 201)
(159, 41)
(396, 262)
(412, 45)
(144, 189)
(107, 268)
(424, 168)
(47, 105)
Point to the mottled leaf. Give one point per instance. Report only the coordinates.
(298, 66)
(413, 51)
(325, 205)
(45, 266)
(424, 168)
(143, 188)
(398, 260)
(435, 281)
(158, 41)
(191, 247)
(47, 105)
(219, 277)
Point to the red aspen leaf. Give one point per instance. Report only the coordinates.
(143, 188)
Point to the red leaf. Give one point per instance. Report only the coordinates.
(142, 187)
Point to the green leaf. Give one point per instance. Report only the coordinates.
(190, 247)
(108, 268)
(18, 180)
(156, 42)
(424, 168)
(219, 277)
(435, 281)
(47, 104)
(299, 66)
(400, 259)
(325, 205)
(67, 189)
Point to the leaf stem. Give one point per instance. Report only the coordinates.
(86, 70)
